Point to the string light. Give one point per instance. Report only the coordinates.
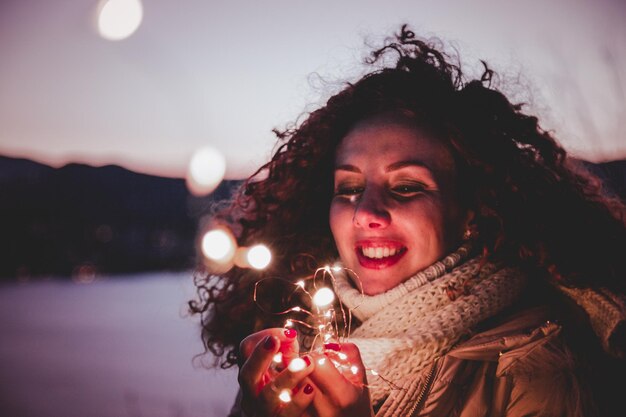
(324, 323)
(297, 364)
(285, 396)
(323, 297)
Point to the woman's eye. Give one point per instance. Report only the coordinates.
(348, 190)
(407, 190)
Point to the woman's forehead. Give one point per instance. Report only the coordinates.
(384, 141)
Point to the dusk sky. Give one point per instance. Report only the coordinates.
(224, 73)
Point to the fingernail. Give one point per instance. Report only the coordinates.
(295, 390)
(307, 360)
(291, 333)
(308, 389)
(269, 343)
(333, 346)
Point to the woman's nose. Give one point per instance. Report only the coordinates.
(370, 211)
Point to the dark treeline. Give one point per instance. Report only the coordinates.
(81, 221)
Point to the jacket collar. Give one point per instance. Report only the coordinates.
(509, 341)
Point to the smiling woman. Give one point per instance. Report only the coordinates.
(459, 225)
(395, 210)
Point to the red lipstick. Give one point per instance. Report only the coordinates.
(379, 263)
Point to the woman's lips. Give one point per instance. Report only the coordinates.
(379, 255)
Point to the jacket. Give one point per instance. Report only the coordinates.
(520, 367)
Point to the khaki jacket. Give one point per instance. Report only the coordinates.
(521, 367)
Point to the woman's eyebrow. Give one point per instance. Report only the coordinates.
(347, 167)
(408, 163)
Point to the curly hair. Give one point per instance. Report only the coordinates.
(534, 207)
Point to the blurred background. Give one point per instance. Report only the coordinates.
(123, 121)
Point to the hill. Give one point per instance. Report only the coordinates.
(80, 220)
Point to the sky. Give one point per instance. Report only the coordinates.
(225, 73)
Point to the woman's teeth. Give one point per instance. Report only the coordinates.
(379, 253)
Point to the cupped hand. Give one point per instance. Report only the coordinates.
(262, 385)
(343, 393)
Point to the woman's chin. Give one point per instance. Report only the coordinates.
(378, 282)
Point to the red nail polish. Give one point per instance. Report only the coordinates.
(306, 360)
(269, 343)
(295, 390)
(291, 333)
(308, 389)
(333, 346)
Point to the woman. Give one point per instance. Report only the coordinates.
(470, 232)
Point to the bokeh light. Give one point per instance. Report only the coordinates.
(218, 245)
(259, 256)
(206, 170)
(323, 297)
(118, 19)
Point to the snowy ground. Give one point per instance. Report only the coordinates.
(117, 347)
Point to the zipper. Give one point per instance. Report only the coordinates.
(421, 398)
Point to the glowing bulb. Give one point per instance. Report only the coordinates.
(206, 170)
(354, 369)
(300, 284)
(327, 314)
(288, 323)
(336, 268)
(322, 361)
(296, 309)
(323, 297)
(278, 358)
(327, 268)
(218, 245)
(327, 337)
(285, 396)
(118, 19)
(342, 356)
(374, 372)
(259, 256)
(296, 365)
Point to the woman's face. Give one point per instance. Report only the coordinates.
(394, 211)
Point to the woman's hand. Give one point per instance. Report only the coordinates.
(341, 394)
(261, 385)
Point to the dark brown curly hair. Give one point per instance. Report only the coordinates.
(533, 206)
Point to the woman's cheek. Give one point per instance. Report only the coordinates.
(340, 216)
(341, 213)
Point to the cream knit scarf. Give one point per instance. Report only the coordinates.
(404, 329)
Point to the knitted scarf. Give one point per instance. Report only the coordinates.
(404, 329)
